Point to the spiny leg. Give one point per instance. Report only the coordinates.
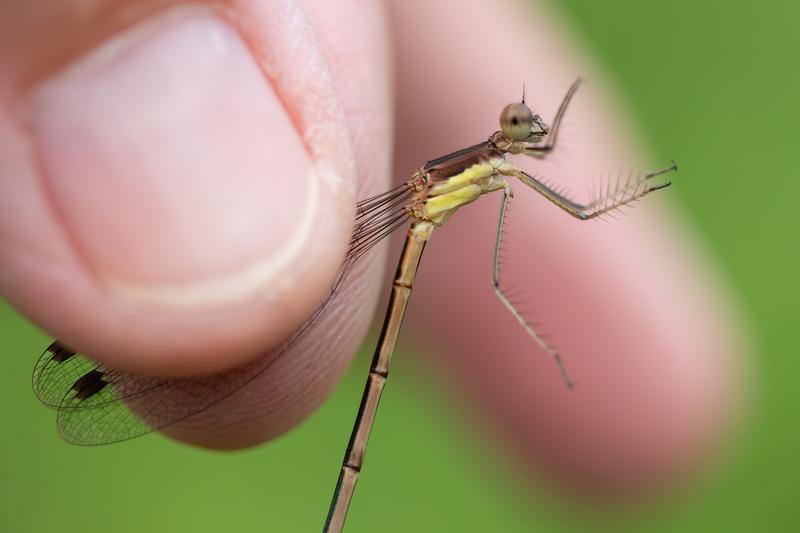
(507, 195)
(623, 193)
(542, 150)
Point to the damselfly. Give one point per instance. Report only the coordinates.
(100, 405)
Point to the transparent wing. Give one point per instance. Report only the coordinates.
(57, 369)
(99, 405)
(105, 406)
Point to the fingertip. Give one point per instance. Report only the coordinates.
(177, 226)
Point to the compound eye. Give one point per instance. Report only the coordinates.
(516, 121)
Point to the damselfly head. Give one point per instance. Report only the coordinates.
(520, 124)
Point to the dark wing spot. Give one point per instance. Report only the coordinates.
(89, 384)
(60, 352)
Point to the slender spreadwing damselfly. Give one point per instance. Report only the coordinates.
(101, 405)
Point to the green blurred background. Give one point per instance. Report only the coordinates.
(713, 84)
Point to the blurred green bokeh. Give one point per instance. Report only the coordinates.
(712, 84)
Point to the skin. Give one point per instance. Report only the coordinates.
(126, 242)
